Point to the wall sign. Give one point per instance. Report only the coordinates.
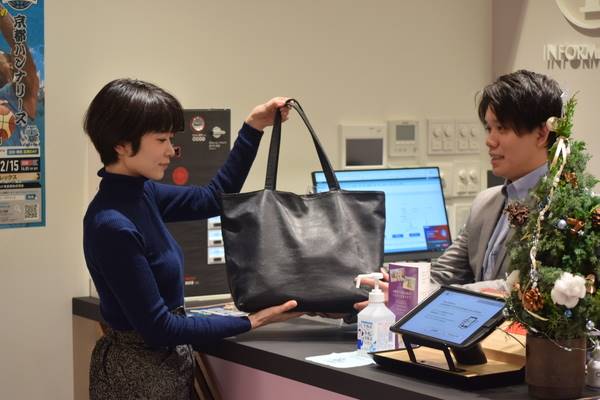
(577, 56)
(582, 13)
(22, 182)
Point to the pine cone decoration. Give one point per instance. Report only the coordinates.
(517, 213)
(571, 177)
(596, 218)
(533, 300)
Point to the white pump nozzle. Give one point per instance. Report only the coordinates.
(376, 295)
(375, 275)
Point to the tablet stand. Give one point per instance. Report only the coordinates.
(473, 355)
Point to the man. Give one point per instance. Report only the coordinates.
(514, 110)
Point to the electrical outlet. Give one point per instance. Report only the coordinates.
(474, 180)
(467, 179)
(441, 136)
(469, 136)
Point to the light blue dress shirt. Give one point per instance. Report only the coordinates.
(513, 191)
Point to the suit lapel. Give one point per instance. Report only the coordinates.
(494, 208)
(502, 258)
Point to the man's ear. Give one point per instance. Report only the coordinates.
(543, 134)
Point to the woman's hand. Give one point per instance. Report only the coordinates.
(383, 285)
(264, 114)
(274, 314)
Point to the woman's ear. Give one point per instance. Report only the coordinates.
(123, 149)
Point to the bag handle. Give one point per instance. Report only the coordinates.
(273, 161)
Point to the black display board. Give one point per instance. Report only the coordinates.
(201, 149)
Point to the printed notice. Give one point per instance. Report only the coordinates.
(22, 182)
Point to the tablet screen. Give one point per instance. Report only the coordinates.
(452, 316)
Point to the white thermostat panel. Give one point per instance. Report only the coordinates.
(403, 138)
(362, 146)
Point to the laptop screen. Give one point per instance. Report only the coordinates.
(416, 226)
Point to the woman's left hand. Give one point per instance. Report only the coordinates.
(264, 114)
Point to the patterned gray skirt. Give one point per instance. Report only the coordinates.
(124, 367)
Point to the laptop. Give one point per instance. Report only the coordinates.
(417, 226)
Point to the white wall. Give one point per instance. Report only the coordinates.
(521, 28)
(346, 60)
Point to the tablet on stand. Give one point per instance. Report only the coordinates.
(454, 321)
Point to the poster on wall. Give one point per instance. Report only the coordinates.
(200, 150)
(22, 182)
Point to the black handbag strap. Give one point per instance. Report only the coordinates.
(273, 161)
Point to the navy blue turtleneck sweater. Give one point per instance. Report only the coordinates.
(137, 266)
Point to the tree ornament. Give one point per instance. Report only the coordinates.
(533, 300)
(575, 224)
(568, 289)
(596, 218)
(552, 124)
(590, 325)
(590, 283)
(568, 313)
(534, 275)
(561, 224)
(571, 178)
(517, 213)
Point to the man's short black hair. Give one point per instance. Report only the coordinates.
(522, 100)
(126, 109)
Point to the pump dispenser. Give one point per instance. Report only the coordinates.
(374, 322)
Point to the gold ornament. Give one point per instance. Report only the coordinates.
(552, 124)
(596, 217)
(571, 177)
(517, 213)
(590, 283)
(533, 300)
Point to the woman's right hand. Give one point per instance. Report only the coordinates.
(264, 114)
(274, 314)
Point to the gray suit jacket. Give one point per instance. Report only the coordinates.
(462, 262)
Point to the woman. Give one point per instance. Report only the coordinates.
(135, 263)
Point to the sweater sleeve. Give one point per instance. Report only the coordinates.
(184, 203)
(118, 255)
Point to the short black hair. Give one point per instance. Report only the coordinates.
(126, 109)
(522, 100)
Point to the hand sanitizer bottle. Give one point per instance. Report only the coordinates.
(374, 322)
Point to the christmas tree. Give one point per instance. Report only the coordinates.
(555, 250)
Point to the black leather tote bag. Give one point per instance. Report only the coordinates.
(282, 246)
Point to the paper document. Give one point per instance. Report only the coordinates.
(224, 310)
(343, 360)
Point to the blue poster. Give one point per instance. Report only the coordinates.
(22, 182)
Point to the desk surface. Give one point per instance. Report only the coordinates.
(281, 349)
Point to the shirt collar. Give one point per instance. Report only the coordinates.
(518, 190)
